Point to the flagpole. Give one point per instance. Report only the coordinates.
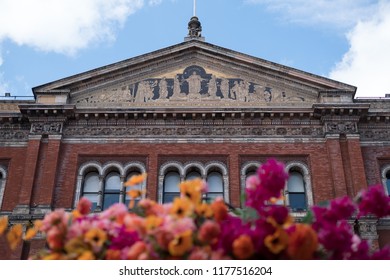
(194, 8)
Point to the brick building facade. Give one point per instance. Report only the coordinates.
(189, 110)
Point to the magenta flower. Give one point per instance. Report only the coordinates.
(374, 201)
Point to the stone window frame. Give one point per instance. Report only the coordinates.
(203, 170)
(304, 169)
(3, 180)
(103, 170)
(385, 170)
(244, 170)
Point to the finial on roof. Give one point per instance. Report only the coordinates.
(194, 27)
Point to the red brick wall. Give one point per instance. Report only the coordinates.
(16, 158)
(374, 159)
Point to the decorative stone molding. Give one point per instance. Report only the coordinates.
(372, 134)
(341, 127)
(367, 229)
(46, 128)
(190, 131)
(15, 132)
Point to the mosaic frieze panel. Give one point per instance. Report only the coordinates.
(193, 85)
(373, 134)
(134, 132)
(14, 132)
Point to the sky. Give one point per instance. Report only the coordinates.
(45, 40)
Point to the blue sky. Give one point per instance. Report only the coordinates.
(42, 41)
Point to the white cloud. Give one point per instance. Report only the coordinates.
(366, 64)
(63, 26)
(336, 13)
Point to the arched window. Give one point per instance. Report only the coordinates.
(171, 186)
(215, 185)
(3, 179)
(112, 187)
(296, 191)
(91, 188)
(388, 182)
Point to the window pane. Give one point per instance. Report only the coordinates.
(110, 199)
(91, 182)
(168, 197)
(297, 201)
(388, 186)
(113, 181)
(193, 175)
(171, 182)
(212, 196)
(93, 198)
(215, 182)
(295, 182)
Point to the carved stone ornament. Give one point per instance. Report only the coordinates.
(191, 87)
(368, 229)
(46, 128)
(190, 131)
(13, 132)
(341, 127)
(371, 134)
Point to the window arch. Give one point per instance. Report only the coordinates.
(248, 169)
(298, 192)
(103, 184)
(386, 179)
(3, 179)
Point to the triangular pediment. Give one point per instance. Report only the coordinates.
(193, 74)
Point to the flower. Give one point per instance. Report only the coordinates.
(96, 237)
(277, 241)
(14, 236)
(374, 201)
(135, 180)
(3, 224)
(181, 244)
(208, 232)
(135, 251)
(192, 190)
(243, 247)
(303, 242)
(181, 207)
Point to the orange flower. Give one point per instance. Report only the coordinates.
(276, 242)
(134, 194)
(243, 247)
(204, 210)
(87, 255)
(135, 180)
(153, 222)
(113, 254)
(303, 242)
(219, 209)
(181, 207)
(76, 246)
(14, 236)
(181, 244)
(192, 189)
(96, 238)
(31, 233)
(3, 224)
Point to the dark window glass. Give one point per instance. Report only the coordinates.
(171, 186)
(296, 191)
(388, 182)
(215, 186)
(112, 186)
(91, 188)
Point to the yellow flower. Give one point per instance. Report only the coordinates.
(96, 238)
(14, 236)
(192, 189)
(3, 224)
(87, 255)
(204, 210)
(134, 194)
(181, 207)
(153, 222)
(135, 180)
(76, 246)
(276, 242)
(243, 247)
(181, 244)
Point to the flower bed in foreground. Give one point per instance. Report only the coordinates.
(189, 228)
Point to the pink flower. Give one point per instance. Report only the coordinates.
(84, 206)
(208, 232)
(374, 201)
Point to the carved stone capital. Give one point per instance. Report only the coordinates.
(341, 127)
(46, 128)
(368, 229)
